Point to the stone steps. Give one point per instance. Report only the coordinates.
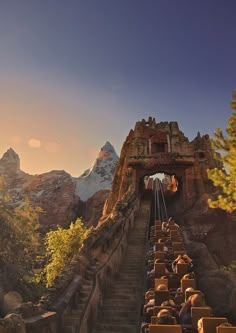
(121, 305)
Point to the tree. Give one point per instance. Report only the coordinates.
(61, 245)
(225, 178)
(19, 240)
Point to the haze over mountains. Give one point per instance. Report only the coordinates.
(61, 196)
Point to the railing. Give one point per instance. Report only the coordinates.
(93, 301)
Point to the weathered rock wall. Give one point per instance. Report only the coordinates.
(93, 208)
(218, 285)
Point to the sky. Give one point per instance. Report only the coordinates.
(77, 73)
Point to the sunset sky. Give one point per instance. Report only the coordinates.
(78, 73)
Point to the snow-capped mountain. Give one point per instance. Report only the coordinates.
(100, 175)
(61, 196)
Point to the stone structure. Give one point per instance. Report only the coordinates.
(161, 147)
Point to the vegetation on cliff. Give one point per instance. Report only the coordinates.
(225, 178)
(19, 243)
(22, 252)
(61, 245)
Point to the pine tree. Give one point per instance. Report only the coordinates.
(225, 178)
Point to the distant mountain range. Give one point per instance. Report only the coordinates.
(61, 196)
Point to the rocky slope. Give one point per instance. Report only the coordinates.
(61, 196)
(209, 236)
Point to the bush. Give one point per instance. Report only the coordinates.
(61, 245)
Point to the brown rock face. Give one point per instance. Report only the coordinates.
(218, 285)
(215, 228)
(94, 206)
(54, 192)
(210, 240)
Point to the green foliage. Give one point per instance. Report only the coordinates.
(61, 245)
(19, 239)
(225, 178)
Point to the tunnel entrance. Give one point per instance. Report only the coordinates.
(163, 189)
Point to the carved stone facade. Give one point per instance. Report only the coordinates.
(161, 147)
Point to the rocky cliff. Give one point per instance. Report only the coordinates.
(61, 196)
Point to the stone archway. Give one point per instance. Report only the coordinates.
(161, 147)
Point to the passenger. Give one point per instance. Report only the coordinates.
(178, 260)
(179, 298)
(170, 302)
(182, 259)
(165, 228)
(162, 287)
(189, 276)
(151, 274)
(196, 300)
(150, 296)
(164, 318)
(200, 326)
(170, 221)
(163, 242)
(149, 305)
(187, 259)
(188, 289)
(173, 311)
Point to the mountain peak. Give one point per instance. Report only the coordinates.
(107, 151)
(10, 159)
(108, 145)
(100, 175)
(10, 154)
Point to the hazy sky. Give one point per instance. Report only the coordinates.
(77, 73)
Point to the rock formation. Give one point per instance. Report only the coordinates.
(94, 207)
(61, 196)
